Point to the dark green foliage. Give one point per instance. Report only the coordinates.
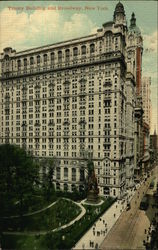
(75, 196)
(18, 175)
(47, 166)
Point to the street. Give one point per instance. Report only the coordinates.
(131, 228)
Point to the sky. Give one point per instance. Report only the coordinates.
(28, 24)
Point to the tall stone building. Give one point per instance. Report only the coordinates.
(76, 99)
(134, 55)
(146, 83)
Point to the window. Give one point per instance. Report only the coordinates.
(52, 56)
(83, 50)
(58, 173)
(92, 48)
(73, 174)
(75, 51)
(19, 63)
(59, 56)
(67, 53)
(45, 57)
(25, 62)
(65, 173)
(38, 59)
(31, 61)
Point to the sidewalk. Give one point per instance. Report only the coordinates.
(97, 233)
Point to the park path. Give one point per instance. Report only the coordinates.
(83, 211)
(31, 213)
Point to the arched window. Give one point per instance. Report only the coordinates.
(52, 56)
(38, 59)
(75, 51)
(45, 57)
(83, 50)
(67, 53)
(65, 172)
(60, 56)
(73, 174)
(25, 62)
(92, 48)
(31, 61)
(19, 63)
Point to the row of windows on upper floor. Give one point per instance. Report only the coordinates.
(59, 54)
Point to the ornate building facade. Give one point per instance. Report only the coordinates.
(146, 99)
(146, 83)
(76, 99)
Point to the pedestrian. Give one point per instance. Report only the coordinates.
(145, 230)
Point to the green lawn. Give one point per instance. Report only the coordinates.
(62, 212)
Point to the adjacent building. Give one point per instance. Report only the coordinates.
(134, 56)
(78, 99)
(146, 92)
(146, 83)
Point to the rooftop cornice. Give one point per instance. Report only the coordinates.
(56, 45)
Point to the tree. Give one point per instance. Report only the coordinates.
(18, 175)
(48, 166)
